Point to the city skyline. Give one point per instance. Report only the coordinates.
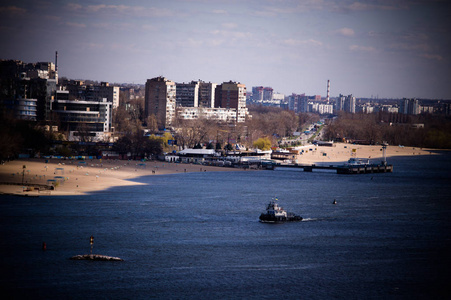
(385, 49)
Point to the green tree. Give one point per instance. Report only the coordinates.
(263, 143)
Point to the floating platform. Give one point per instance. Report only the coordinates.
(364, 169)
(95, 257)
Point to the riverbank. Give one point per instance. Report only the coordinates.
(341, 152)
(74, 177)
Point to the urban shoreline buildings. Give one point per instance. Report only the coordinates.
(167, 100)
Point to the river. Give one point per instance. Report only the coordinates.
(197, 236)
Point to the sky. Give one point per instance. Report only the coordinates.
(371, 48)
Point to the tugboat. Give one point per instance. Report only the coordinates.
(276, 214)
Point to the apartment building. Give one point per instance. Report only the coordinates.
(187, 94)
(345, 103)
(260, 94)
(409, 107)
(160, 100)
(197, 99)
(232, 95)
(206, 94)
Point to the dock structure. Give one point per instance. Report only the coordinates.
(344, 169)
(383, 168)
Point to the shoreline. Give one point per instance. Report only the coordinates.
(342, 152)
(75, 177)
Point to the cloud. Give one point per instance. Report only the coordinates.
(220, 11)
(93, 46)
(432, 56)
(74, 6)
(194, 43)
(309, 42)
(14, 10)
(362, 48)
(148, 27)
(229, 25)
(52, 18)
(230, 34)
(345, 31)
(216, 42)
(76, 25)
(138, 11)
(389, 5)
(411, 46)
(95, 8)
(286, 8)
(305, 6)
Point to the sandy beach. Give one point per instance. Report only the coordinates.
(73, 177)
(341, 152)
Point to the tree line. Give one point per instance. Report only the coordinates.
(263, 130)
(395, 129)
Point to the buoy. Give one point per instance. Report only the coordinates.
(44, 246)
(335, 202)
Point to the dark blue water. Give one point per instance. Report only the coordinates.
(197, 236)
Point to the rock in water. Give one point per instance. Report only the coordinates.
(95, 257)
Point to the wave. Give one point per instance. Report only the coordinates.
(309, 219)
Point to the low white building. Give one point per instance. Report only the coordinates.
(218, 113)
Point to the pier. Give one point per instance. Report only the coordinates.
(354, 165)
(343, 169)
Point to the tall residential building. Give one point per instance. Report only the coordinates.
(160, 100)
(195, 94)
(268, 93)
(187, 94)
(410, 107)
(232, 95)
(345, 103)
(298, 103)
(340, 103)
(207, 94)
(260, 93)
(257, 93)
(349, 105)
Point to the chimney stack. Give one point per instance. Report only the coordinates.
(328, 90)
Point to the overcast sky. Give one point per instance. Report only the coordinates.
(385, 48)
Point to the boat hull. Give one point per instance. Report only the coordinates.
(268, 218)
